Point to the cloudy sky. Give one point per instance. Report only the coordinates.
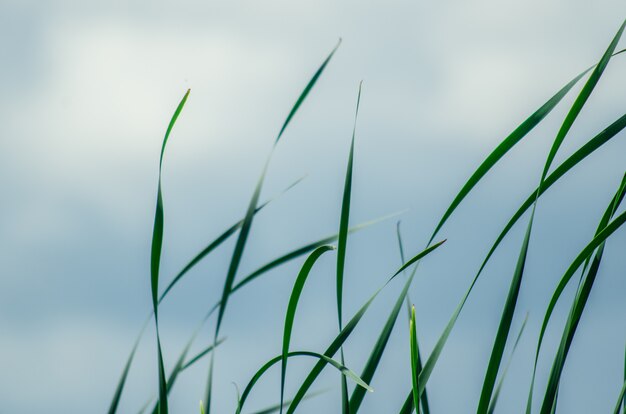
(88, 88)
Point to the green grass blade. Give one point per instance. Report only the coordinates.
(507, 144)
(341, 246)
(346, 332)
(201, 354)
(582, 98)
(327, 360)
(247, 223)
(414, 359)
(155, 259)
(291, 310)
(496, 393)
(306, 91)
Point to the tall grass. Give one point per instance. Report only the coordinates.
(589, 258)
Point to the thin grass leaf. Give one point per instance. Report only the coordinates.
(341, 247)
(582, 98)
(414, 359)
(291, 310)
(155, 260)
(346, 332)
(327, 360)
(496, 393)
(201, 354)
(576, 311)
(247, 222)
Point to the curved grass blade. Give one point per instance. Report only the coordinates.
(414, 359)
(347, 331)
(155, 259)
(496, 393)
(577, 309)
(341, 247)
(247, 222)
(581, 99)
(291, 311)
(327, 360)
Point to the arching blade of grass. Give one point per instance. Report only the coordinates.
(327, 360)
(381, 343)
(291, 311)
(509, 142)
(247, 222)
(424, 398)
(577, 308)
(341, 247)
(606, 217)
(496, 393)
(347, 331)
(201, 354)
(511, 301)
(414, 360)
(216, 243)
(155, 260)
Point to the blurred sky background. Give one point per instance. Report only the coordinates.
(87, 91)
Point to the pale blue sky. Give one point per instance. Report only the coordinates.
(88, 89)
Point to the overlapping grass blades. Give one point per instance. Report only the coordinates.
(489, 162)
(578, 304)
(511, 301)
(322, 357)
(348, 328)
(247, 222)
